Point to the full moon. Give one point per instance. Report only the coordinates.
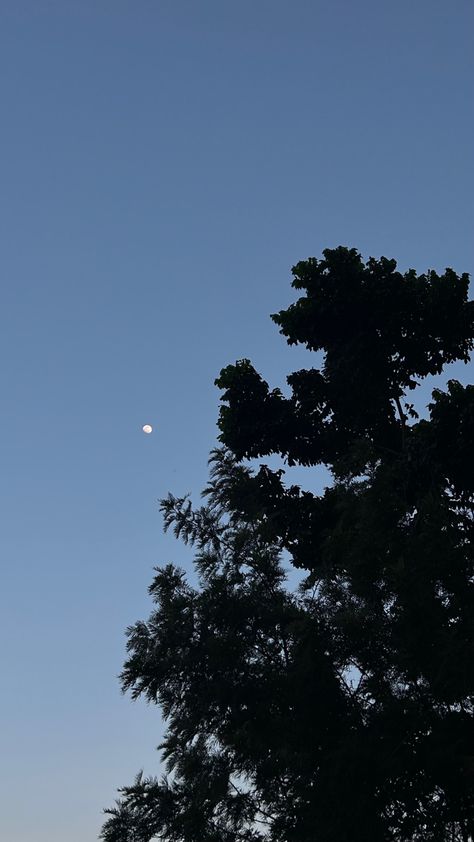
(147, 428)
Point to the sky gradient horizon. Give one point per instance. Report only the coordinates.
(165, 163)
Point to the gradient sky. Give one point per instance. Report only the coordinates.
(163, 164)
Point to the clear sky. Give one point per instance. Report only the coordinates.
(163, 164)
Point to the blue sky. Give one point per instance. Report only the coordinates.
(164, 163)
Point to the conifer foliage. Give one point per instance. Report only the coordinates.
(340, 711)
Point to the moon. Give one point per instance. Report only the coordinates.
(147, 428)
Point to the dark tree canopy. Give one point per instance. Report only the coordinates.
(341, 711)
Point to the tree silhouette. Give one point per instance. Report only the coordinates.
(343, 709)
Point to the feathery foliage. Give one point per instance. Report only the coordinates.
(343, 710)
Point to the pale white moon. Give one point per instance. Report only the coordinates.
(147, 428)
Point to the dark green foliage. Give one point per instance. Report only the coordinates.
(343, 711)
(379, 329)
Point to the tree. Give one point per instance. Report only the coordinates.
(341, 710)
